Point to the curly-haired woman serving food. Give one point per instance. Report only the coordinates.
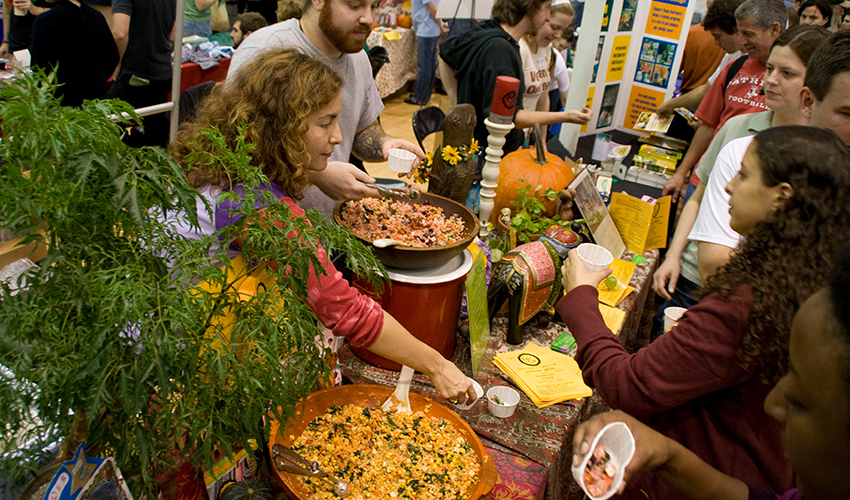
(290, 103)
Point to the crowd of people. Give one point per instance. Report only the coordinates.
(714, 401)
(759, 362)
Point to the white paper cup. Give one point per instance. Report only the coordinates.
(620, 445)
(508, 398)
(479, 391)
(20, 12)
(595, 257)
(401, 160)
(672, 315)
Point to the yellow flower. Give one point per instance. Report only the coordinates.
(451, 155)
(429, 158)
(473, 147)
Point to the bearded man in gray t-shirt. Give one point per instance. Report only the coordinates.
(336, 31)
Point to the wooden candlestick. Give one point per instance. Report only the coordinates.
(490, 172)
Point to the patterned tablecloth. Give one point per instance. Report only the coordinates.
(402, 66)
(543, 435)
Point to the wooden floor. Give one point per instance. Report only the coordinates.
(396, 120)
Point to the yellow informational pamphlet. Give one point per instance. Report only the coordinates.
(547, 377)
(641, 224)
(622, 271)
(613, 317)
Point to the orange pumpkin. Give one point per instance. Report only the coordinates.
(404, 21)
(549, 171)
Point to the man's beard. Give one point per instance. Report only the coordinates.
(340, 39)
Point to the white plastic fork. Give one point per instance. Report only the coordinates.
(400, 401)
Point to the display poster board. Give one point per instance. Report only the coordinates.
(639, 48)
(594, 211)
(464, 9)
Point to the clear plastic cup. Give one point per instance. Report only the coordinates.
(400, 160)
(594, 257)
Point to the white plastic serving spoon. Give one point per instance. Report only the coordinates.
(388, 242)
(400, 401)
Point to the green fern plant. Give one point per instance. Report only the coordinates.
(110, 340)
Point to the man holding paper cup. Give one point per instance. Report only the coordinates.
(335, 31)
(18, 16)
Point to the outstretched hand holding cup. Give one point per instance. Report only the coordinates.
(646, 450)
(400, 160)
(585, 265)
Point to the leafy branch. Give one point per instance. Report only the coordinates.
(530, 217)
(129, 331)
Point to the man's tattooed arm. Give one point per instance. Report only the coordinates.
(369, 143)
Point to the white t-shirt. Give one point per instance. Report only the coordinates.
(535, 71)
(561, 74)
(361, 102)
(712, 224)
(723, 62)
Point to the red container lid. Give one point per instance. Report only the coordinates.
(504, 99)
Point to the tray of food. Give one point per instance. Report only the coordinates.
(432, 229)
(431, 453)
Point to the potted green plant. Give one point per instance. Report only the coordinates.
(529, 219)
(110, 340)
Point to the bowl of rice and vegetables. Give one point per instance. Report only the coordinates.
(430, 454)
(435, 228)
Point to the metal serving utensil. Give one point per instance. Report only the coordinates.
(286, 460)
(409, 191)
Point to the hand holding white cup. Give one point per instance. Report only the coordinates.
(21, 8)
(672, 315)
(400, 160)
(619, 445)
(594, 257)
(581, 269)
(469, 403)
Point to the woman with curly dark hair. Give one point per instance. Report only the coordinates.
(276, 100)
(290, 103)
(703, 383)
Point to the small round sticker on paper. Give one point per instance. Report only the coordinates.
(529, 359)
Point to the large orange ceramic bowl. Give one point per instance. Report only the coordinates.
(419, 258)
(372, 396)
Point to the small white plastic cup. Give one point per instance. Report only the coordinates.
(594, 257)
(401, 160)
(620, 445)
(508, 398)
(479, 391)
(672, 315)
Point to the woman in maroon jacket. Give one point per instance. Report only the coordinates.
(703, 383)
